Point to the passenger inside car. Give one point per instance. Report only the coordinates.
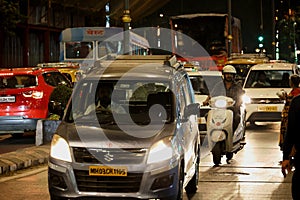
(261, 81)
(285, 80)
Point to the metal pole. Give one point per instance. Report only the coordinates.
(126, 20)
(229, 37)
(273, 32)
(261, 17)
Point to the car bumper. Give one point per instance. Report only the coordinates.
(16, 124)
(263, 113)
(74, 182)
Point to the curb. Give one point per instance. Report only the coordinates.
(23, 158)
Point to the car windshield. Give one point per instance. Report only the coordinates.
(18, 81)
(268, 79)
(128, 100)
(203, 84)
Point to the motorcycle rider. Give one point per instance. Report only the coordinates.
(230, 88)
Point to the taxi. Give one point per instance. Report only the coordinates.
(243, 62)
(69, 69)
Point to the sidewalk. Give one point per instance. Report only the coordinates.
(24, 158)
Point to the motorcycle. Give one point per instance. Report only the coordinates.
(222, 140)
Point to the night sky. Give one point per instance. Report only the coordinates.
(248, 11)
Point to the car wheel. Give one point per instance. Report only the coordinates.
(192, 186)
(180, 185)
(17, 135)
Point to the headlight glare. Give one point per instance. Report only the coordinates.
(60, 149)
(220, 103)
(246, 99)
(161, 151)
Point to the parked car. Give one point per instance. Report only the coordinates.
(69, 69)
(263, 104)
(143, 145)
(24, 97)
(203, 82)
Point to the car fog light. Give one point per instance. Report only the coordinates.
(57, 181)
(163, 182)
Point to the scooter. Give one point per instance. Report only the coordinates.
(222, 140)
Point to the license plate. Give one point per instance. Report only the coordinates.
(107, 171)
(267, 108)
(7, 99)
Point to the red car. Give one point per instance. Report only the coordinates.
(24, 97)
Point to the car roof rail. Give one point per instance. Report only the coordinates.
(173, 62)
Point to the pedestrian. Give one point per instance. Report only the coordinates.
(292, 140)
(294, 81)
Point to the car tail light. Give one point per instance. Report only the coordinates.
(33, 94)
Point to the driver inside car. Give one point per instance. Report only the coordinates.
(104, 102)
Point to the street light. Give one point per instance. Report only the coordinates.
(126, 20)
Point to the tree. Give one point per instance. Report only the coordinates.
(287, 38)
(10, 15)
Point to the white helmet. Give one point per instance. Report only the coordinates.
(229, 69)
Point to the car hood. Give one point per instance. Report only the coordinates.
(97, 137)
(264, 92)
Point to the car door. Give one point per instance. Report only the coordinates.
(189, 126)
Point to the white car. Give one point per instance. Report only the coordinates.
(262, 102)
(203, 82)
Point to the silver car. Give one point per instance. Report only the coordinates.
(142, 144)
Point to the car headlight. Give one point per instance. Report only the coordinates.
(60, 149)
(246, 99)
(161, 151)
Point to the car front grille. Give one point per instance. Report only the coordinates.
(266, 101)
(114, 184)
(109, 155)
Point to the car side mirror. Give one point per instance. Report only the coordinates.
(191, 109)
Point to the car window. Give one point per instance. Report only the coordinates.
(268, 79)
(56, 78)
(186, 87)
(242, 70)
(203, 84)
(125, 97)
(79, 49)
(18, 81)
